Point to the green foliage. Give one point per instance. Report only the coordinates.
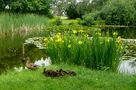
(58, 7)
(97, 4)
(77, 10)
(97, 53)
(15, 28)
(122, 12)
(1, 5)
(79, 21)
(57, 21)
(71, 11)
(29, 6)
(88, 20)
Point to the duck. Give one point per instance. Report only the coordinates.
(51, 73)
(68, 72)
(62, 71)
(71, 73)
(30, 65)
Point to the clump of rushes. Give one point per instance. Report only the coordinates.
(97, 52)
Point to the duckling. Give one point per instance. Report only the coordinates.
(71, 73)
(62, 72)
(68, 72)
(51, 73)
(30, 65)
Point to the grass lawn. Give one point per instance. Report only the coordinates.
(68, 21)
(86, 79)
(65, 20)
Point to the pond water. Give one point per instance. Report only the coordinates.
(128, 66)
(124, 32)
(8, 62)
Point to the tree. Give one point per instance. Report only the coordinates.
(3, 4)
(59, 6)
(97, 4)
(71, 11)
(77, 10)
(27, 6)
(82, 8)
(120, 12)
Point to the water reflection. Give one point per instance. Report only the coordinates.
(128, 66)
(9, 62)
(124, 32)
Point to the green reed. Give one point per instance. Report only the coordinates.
(14, 29)
(97, 52)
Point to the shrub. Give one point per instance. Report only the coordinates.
(57, 21)
(122, 12)
(79, 21)
(88, 20)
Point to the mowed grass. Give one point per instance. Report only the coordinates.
(64, 20)
(68, 21)
(86, 79)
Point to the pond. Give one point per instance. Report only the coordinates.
(9, 61)
(16, 61)
(124, 32)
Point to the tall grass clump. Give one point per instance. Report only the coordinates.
(15, 28)
(9, 21)
(97, 52)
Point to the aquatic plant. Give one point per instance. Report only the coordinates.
(97, 52)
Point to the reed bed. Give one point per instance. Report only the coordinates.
(15, 28)
(97, 52)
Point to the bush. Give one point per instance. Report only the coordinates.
(88, 20)
(58, 21)
(122, 12)
(79, 21)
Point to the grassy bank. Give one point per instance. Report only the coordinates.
(86, 79)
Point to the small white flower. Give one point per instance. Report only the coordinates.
(43, 62)
(7, 7)
(18, 69)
